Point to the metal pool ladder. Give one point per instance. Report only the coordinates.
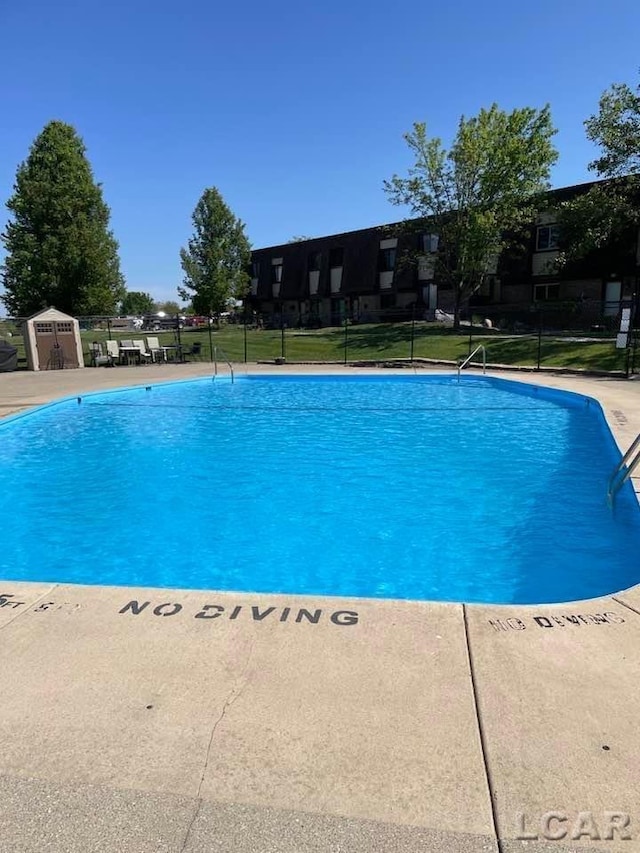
(469, 357)
(624, 470)
(225, 359)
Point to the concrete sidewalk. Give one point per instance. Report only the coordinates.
(146, 720)
(172, 720)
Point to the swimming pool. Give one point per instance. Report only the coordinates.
(414, 487)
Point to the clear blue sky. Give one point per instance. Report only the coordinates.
(296, 113)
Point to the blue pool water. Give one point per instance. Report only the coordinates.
(395, 487)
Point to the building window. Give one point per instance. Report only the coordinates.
(314, 261)
(276, 273)
(428, 243)
(547, 238)
(255, 269)
(336, 257)
(546, 292)
(387, 260)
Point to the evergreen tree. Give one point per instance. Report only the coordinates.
(217, 257)
(59, 248)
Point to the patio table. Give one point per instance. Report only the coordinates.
(174, 350)
(129, 353)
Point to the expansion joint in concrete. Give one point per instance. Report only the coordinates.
(624, 604)
(481, 733)
(27, 609)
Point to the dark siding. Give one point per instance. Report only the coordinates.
(361, 261)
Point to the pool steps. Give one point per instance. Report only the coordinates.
(624, 470)
(469, 357)
(224, 358)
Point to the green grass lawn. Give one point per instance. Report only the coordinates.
(376, 342)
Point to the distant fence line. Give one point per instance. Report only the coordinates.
(575, 336)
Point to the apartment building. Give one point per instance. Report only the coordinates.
(389, 272)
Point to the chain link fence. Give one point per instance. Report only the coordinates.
(576, 336)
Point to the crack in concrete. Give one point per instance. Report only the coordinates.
(234, 695)
(190, 827)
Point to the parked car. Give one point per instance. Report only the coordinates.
(158, 322)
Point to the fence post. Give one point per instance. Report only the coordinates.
(413, 329)
(634, 329)
(282, 347)
(470, 332)
(539, 337)
(210, 338)
(346, 337)
(245, 337)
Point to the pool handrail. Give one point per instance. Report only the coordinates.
(470, 356)
(615, 480)
(225, 359)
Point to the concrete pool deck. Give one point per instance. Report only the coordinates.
(153, 720)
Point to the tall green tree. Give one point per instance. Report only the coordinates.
(217, 257)
(610, 211)
(615, 129)
(136, 302)
(484, 188)
(60, 250)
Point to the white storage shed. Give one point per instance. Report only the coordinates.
(52, 341)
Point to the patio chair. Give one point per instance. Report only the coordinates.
(113, 350)
(98, 357)
(194, 350)
(147, 356)
(153, 345)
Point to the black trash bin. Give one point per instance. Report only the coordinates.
(8, 357)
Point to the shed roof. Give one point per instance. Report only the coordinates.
(50, 313)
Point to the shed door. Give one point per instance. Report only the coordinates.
(56, 345)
